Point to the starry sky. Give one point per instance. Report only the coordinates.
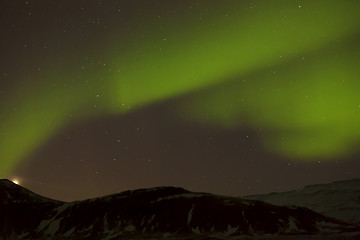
(228, 97)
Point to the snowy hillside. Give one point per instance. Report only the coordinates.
(340, 200)
(164, 212)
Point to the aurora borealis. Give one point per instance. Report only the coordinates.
(284, 72)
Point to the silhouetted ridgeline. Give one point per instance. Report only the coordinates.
(165, 212)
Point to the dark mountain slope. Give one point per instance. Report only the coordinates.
(339, 199)
(164, 211)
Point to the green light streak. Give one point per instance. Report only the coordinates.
(32, 120)
(211, 53)
(307, 109)
(238, 44)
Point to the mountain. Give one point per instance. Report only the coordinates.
(163, 212)
(339, 200)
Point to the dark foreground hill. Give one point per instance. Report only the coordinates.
(164, 212)
(339, 199)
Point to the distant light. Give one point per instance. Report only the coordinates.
(16, 181)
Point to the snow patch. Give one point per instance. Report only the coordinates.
(151, 219)
(69, 233)
(292, 226)
(185, 195)
(196, 230)
(327, 227)
(231, 230)
(190, 214)
(53, 223)
(166, 235)
(130, 228)
(53, 227)
(228, 202)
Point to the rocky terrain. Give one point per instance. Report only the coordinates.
(164, 212)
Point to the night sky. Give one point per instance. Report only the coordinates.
(228, 97)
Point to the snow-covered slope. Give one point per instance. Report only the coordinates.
(339, 200)
(164, 212)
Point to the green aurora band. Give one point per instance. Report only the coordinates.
(291, 70)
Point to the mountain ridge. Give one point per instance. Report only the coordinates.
(169, 212)
(10, 191)
(339, 199)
